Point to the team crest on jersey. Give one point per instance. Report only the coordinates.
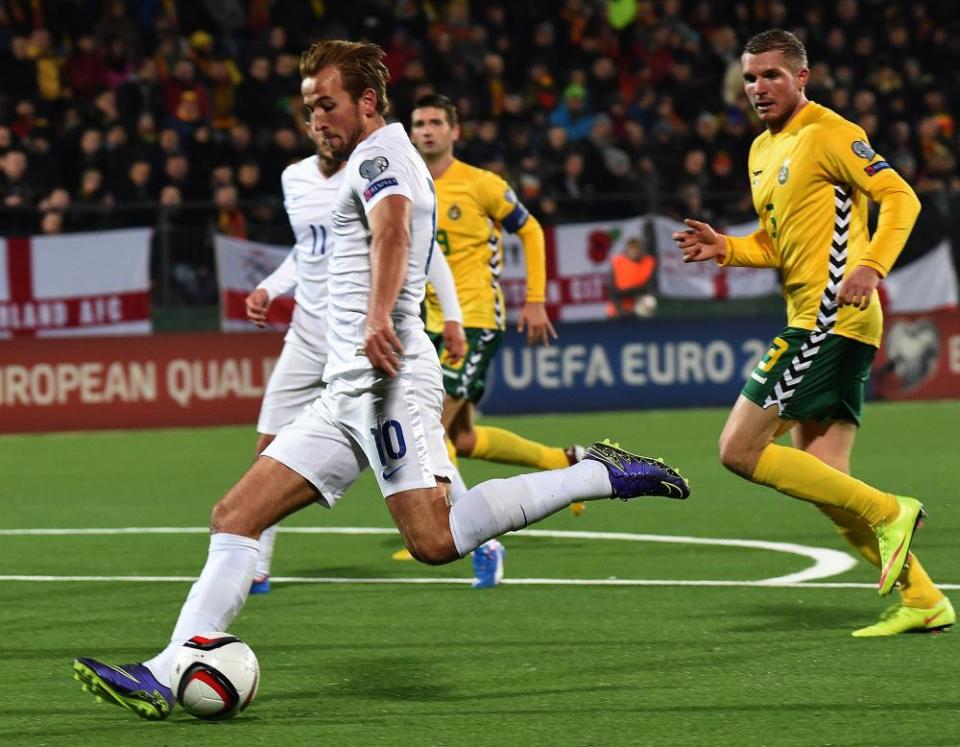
(372, 168)
(510, 196)
(863, 149)
(453, 212)
(784, 172)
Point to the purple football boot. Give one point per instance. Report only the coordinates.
(131, 686)
(632, 475)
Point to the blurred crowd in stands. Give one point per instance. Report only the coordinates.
(109, 108)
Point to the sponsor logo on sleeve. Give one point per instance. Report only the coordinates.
(510, 196)
(373, 167)
(372, 189)
(862, 148)
(873, 168)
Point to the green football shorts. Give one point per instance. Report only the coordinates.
(468, 378)
(812, 376)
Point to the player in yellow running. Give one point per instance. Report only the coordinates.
(812, 173)
(473, 206)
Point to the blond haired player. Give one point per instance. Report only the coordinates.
(812, 173)
(474, 206)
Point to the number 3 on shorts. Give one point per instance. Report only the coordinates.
(389, 441)
(773, 354)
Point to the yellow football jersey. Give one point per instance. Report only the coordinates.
(810, 185)
(473, 205)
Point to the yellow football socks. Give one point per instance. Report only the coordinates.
(916, 587)
(451, 452)
(801, 475)
(498, 445)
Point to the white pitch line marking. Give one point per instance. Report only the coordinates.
(826, 563)
(466, 581)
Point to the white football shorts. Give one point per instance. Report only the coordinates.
(294, 384)
(393, 425)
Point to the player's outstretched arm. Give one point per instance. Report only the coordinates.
(533, 318)
(700, 242)
(389, 246)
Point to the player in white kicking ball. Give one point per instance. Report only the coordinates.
(309, 189)
(382, 403)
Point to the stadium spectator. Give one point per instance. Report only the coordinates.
(54, 211)
(92, 201)
(662, 79)
(185, 98)
(177, 172)
(86, 69)
(230, 218)
(573, 113)
(256, 95)
(631, 282)
(135, 192)
(141, 94)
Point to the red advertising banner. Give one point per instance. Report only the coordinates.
(134, 382)
(920, 357)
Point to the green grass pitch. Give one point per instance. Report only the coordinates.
(523, 664)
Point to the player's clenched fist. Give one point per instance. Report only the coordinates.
(700, 242)
(858, 287)
(382, 345)
(257, 304)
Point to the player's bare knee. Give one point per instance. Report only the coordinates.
(221, 517)
(433, 548)
(736, 458)
(229, 517)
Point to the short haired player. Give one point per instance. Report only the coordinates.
(812, 173)
(310, 187)
(381, 406)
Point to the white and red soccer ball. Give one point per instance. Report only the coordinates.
(214, 675)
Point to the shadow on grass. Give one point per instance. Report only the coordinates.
(760, 618)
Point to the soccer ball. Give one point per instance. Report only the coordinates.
(645, 306)
(215, 675)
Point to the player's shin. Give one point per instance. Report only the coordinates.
(215, 598)
(497, 506)
(801, 475)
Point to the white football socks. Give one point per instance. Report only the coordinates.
(264, 560)
(458, 488)
(493, 507)
(216, 597)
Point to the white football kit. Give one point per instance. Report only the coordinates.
(308, 198)
(363, 416)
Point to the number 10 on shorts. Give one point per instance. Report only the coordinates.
(389, 441)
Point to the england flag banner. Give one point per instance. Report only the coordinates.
(241, 265)
(924, 283)
(75, 285)
(706, 280)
